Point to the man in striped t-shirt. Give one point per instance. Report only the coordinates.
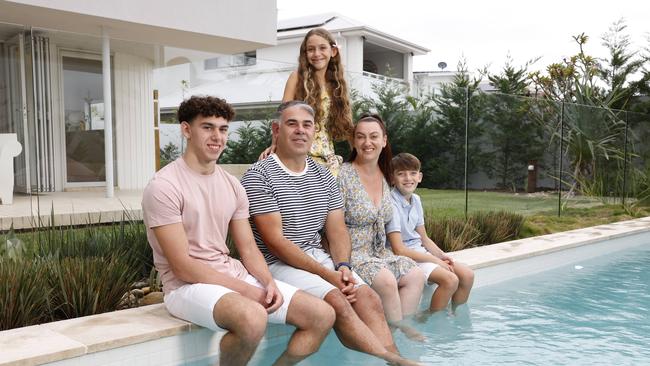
(292, 200)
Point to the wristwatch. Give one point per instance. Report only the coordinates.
(341, 264)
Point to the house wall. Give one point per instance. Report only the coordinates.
(134, 134)
(286, 53)
(353, 54)
(408, 69)
(425, 83)
(234, 26)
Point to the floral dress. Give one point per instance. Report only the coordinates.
(322, 149)
(366, 224)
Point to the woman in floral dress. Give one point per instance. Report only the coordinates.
(364, 186)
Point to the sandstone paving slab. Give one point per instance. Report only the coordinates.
(35, 345)
(121, 328)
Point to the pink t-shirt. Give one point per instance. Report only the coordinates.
(205, 204)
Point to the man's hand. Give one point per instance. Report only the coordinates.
(269, 297)
(344, 281)
(350, 291)
(273, 299)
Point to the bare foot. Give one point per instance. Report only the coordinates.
(394, 359)
(423, 316)
(412, 333)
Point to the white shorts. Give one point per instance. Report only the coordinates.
(426, 267)
(311, 283)
(196, 302)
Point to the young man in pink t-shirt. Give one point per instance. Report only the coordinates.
(190, 206)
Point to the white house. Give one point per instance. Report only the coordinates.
(66, 66)
(254, 79)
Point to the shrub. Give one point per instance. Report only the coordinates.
(480, 228)
(87, 286)
(451, 233)
(496, 226)
(24, 293)
(60, 272)
(126, 239)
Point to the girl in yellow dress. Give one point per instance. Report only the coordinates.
(319, 81)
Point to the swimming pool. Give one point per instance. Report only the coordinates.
(593, 311)
(515, 315)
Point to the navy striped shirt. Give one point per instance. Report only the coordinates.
(303, 199)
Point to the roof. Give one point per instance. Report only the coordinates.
(151, 22)
(310, 21)
(335, 23)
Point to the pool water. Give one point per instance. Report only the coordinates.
(595, 312)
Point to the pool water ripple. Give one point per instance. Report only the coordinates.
(590, 313)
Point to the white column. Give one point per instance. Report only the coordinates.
(108, 112)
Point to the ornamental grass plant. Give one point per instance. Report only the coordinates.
(59, 272)
(452, 233)
(91, 285)
(497, 226)
(24, 293)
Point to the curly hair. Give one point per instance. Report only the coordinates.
(386, 154)
(339, 121)
(206, 106)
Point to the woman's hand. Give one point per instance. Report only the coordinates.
(267, 152)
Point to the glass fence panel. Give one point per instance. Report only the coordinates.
(513, 154)
(594, 153)
(637, 169)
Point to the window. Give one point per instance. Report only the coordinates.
(240, 59)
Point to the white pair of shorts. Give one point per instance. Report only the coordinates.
(311, 283)
(426, 267)
(196, 302)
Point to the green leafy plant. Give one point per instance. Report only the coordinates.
(513, 137)
(86, 286)
(169, 153)
(496, 226)
(58, 272)
(480, 228)
(452, 233)
(251, 139)
(24, 293)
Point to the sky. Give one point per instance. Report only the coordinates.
(485, 32)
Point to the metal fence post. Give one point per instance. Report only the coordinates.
(466, 147)
(625, 161)
(559, 173)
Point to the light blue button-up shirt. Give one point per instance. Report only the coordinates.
(406, 217)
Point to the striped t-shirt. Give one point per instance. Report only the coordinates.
(303, 199)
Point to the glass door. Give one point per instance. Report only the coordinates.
(83, 102)
(13, 100)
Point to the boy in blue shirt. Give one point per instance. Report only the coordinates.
(407, 236)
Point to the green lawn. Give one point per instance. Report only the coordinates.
(576, 218)
(452, 202)
(540, 209)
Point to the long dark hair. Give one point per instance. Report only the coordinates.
(386, 154)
